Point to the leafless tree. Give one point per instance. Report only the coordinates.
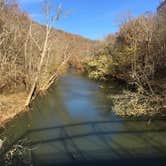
(44, 52)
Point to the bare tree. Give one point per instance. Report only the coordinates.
(50, 21)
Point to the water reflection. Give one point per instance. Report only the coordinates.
(73, 123)
(97, 140)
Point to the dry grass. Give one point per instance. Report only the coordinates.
(11, 105)
(21, 44)
(135, 104)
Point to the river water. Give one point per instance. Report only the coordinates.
(73, 123)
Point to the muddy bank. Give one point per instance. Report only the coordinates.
(11, 105)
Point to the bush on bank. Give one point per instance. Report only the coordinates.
(136, 54)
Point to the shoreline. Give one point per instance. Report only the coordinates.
(130, 103)
(11, 105)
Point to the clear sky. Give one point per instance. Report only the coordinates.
(90, 18)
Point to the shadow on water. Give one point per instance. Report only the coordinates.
(72, 126)
(98, 143)
(106, 145)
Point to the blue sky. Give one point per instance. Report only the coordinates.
(93, 19)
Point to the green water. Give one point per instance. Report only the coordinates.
(74, 123)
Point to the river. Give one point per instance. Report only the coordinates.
(73, 123)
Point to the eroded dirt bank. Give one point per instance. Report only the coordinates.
(11, 105)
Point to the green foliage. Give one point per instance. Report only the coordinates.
(110, 62)
(136, 54)
(98, 68)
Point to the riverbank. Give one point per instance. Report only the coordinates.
(134, 101)
(138, 59)
(21, 46)
(77, 107)
(133, 104)
(11, 105)
(130, 102)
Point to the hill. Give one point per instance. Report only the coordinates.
(31, 58)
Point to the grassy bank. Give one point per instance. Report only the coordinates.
(137, 55)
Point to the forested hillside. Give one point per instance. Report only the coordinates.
(69, 100)
(137, 55)
(32, 56)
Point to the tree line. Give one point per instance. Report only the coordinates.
(137, 55)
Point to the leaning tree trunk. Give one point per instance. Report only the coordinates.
(43, 54)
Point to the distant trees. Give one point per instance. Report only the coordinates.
(29, 59)
(136, 54)
(11, 45)
(32, 56)
(134, 43)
